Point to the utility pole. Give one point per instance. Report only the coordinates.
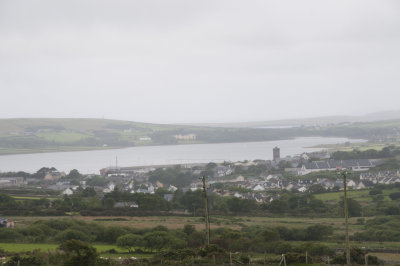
(206, 215)
(346, 217)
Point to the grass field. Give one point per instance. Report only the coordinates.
(359, 195)
(33, 197)
(63, 137)
(17, 247)
(175, 222)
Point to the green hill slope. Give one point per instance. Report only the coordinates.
(65, 134)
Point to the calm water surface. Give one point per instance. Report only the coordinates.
(93, 161)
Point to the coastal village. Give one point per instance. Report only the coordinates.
(259, 180)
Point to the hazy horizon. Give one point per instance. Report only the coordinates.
(218, 122)
(198, 62)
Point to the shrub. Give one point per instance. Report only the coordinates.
(375, 192)
(70, 234)
(318, 232)
(10, 235)
(78, 253)
(395, 195)
(24, 261)
(129, 241)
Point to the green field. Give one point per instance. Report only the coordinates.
(63, 137)
(67, 134)
(17, 247)
(234, 222)
(177, 222)
(360, 195)
(33, 197)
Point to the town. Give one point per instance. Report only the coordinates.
(258, 180)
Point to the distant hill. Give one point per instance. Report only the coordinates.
(313, 121)
(59, 134)
(68, 134)
(31, 135)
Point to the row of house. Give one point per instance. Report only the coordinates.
(334, 165)
(12, 182)
(381, 177)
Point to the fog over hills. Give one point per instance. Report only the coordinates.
(311, 121)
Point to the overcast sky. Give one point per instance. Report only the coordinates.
(174, 61)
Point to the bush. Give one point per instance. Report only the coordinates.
(321, 250)
(270, 235)
(360, 221)
(395, 195)
(70, 234)
(24, 261)
(180, 254)
(111, 234)
(211, 250)
(10, 235)
(297, 258)
(78, 253)
(318, 232)
(283, 248)
(129, 241)
(357, 256)
(375, 192)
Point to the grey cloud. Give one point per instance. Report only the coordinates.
(165, 61)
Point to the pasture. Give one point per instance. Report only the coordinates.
(178, 222)
(359, 195)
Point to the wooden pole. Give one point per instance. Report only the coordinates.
(265, 258)
(230, 258)
(306, 257)
(366, 259)
(346, 218)
(206, 218)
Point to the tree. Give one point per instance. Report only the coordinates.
(375, 191)
(354, 207)
(25, 261)
(241, 205)
(108, 203)
(112, 233)
(318, 232)
(156, 240)
(129, 241)
(395, 195)
(161, 239)
(317, 188)
(189, 229)
(192, 200)
(71, 234)
(78, 253)
(278, 206)
(271, 235)
(89, 192)
(74, 174)
(211, 166)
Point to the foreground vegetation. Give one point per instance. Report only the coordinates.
(246, 238)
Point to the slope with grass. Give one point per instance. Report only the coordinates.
(68, 134)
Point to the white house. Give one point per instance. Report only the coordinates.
(351, 183)
(360, 186)
(258, 188)
(302, 189)
(67, 192)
